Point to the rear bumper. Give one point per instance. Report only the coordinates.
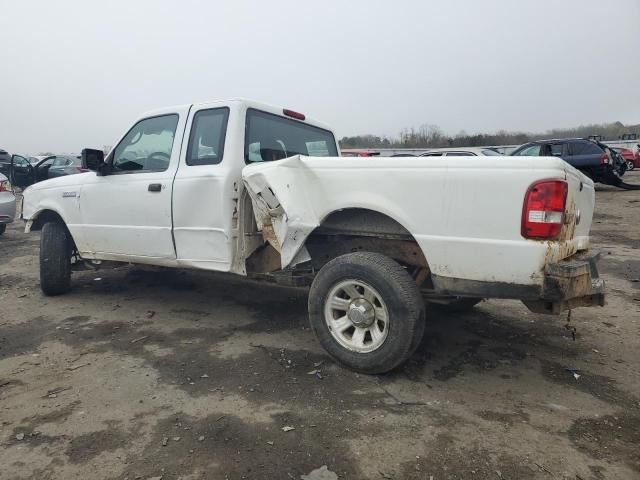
(573, 282)
(7, 207)
(570, 283)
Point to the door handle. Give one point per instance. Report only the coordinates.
(155, 187)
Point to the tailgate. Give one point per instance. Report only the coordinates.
(579, 210)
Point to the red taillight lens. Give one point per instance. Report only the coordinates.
(292, 114)
(543, 211)
(604, 159)
(4, 186)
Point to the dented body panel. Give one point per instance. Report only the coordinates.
(464, 212)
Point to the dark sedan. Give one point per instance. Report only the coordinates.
(593, 158)
(26, 173)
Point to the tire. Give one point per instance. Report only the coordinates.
(3, 227)
(385, 295)
(457, 304)
(630, 165)
(55, 259)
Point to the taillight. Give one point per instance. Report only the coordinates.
(4, 186)
(604, 159)
(543, 210)
(292, 114)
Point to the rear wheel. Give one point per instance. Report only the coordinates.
(630, 165)
(56, 248)
(367, 312)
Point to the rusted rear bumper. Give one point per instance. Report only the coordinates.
(573, 282)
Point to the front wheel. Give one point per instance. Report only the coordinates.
(56, 247)
(367, 312)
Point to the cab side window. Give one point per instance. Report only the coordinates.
(206, 141)
(147, 146)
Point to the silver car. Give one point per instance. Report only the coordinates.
(7, 203)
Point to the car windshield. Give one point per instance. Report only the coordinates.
(272, 137)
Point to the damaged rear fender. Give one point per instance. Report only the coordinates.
(285, 219)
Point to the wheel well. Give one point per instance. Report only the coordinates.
(360, 229)
(46, 216)
(362, 221)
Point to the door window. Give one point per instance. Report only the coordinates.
(206, 142)
(60, 162)
(147, 147)
(557, 149)
(20, 161)
(585, 148)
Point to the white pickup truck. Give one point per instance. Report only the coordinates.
(241, 187)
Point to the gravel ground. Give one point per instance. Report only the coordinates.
(182, 374)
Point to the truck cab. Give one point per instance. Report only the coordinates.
(168, 193)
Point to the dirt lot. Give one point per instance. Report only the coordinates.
(175, 374)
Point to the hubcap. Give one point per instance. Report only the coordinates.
(356, 315)
(361, 313)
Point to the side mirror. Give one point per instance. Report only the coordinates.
(93, 160)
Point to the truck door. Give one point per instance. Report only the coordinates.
(205, 189)
(127, 212)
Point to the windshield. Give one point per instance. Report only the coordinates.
(271, 137)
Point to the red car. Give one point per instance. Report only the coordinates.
(358, 152)
(632, 159)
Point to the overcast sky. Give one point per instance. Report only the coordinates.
(77, 73)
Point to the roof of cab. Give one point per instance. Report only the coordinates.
(244, 102)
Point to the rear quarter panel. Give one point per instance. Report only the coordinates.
(464, 212)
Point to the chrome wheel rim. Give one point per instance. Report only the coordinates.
(356, 316)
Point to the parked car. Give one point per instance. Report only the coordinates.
(357, 152)
(461, 152)
(26, 173)
(257, 191)
(593, 158)
(7, 203)
(5, 163)
(632, 159)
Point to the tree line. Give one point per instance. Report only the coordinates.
(431, 136)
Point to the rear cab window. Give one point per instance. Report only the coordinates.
(206, 140)
(271, 137)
